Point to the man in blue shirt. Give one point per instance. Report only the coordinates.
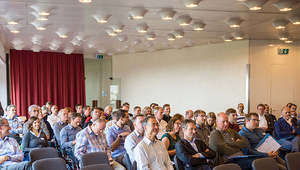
(254, 135)
(63, 115)
(15, 125)
(116, 135)
(287, 130)
(11, 155)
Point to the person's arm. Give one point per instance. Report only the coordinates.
(166, 142)
(56, 131)
(43, 135)
(218, 145)
(65, 143)
(270, 124)
(25, 142)
(45, 130)
(25, 129)
(141, 158)
(281, 132)
(129, 146)
(81, 145)
(240, 142)
(18, 155)
(249, 149)
(208, 153)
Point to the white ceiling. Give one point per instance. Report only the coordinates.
(76, 18)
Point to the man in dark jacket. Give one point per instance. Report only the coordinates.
(192, 152)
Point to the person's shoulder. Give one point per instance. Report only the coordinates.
(127, 128)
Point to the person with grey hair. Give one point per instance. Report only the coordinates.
(11, 156)
(63, 115)
(189, 114)
(151, 153)
(53, 118)
(33, 110)
(159, 114)
(15, 125)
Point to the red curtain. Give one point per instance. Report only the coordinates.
(37, 78)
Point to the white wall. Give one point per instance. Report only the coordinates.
(209, 77)
(274, 79)
(3, 85)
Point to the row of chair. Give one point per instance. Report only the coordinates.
(291, 159)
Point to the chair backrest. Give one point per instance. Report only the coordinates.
(97, 167)
(292, 160)
(264, 163)
(178, 163)
(127, 160)
(50, 164)
(134, 166)
(43, 153)
(94, 158)
(228, 167)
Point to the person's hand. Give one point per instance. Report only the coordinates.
(123, 134)
(237, 140)
(74, 142)
(3, 159)
(272, 155)
(264, 128)
(196, 156)
(289, 121)
(206, 150)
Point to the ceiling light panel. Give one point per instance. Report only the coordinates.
(184, 21)
(137, 13)
(280, 24)
(167, 14)
(255, 4)
(285, 5)
(191, 3)
(234, 23)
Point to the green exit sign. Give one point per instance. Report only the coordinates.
(283, 51)
(99, 56)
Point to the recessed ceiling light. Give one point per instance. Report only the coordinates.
(12, 22)
(117, 28)
(138, 13)
(283, 36)
(285, 5)
(43, 19)
(178, 34)
(44, 13)
(184, 21)
(198, 26)
(280, 24)
(63, 36)
(111, 32)
(41, 28)
(85, 1)
(142, 28)
(255, 4)
(238, 36)
(191, 3)
(288, 41)
(295, 20)
(14, 31)
(101, 17)
(150, 37)
(234, 23)
(122, 38)
(167, 14)
(170, 37)
(227, 39)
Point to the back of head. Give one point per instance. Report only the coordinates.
(120, 113)
(230, 111)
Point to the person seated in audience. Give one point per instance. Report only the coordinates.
(86, 114)
(68, 134)
(202, 131)
(63, 116)
(49, 105)
(167, 111)
(112, 121)
(135, 137)
(288, 104)
(189, 114)
(159, 113)
(137, 110)
(107, 112)
(232, 118)
(146, 110)
(79, 108)
(181, 118)
(42, 114)
(116, 135)
(287, 131)
(34, 110)
(192, 152)
(293, 109)
(35, 138)
(11, 156)
(70, 112)
(171, 137)
(152, 106)
(151, 153)
(267, 112)
(53, 118)
(15, 125)
(126, 106)
(96, 113)
(92, 139)
(265, 122)
(210, 121)
(240, 115)
(228, 143)
(254, 135)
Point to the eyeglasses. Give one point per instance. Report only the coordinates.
(4, 125)
(177, 123)
(255, 120)
(202, 115)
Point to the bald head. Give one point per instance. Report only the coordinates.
(222, 121)
(189, 115)
(285, 113)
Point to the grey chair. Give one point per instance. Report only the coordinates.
(228, 167)
(97, 167)
(264, 163)
(94, 158)
(178, 163)
(50, 164)
(292, 161)
(43, 153)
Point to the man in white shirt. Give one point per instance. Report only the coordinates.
(53, 118)
(241, 115)
(159, 114)
(265, 122)
(151, 153)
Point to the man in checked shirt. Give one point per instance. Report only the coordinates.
(92, 139)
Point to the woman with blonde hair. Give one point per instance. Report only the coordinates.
(147, 110)
(107, 112)
(211, 121)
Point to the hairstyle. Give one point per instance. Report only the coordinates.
(197, 113)
(156, 109)
(230, 111)
(75, 115)
(98, 108)
(135, 118)
(136, 107)
(108, 107)
(165, 105)
(31, 107)
(6, 108)
(266, 105)
(153, 104)
(30, 122)
(120, 113)
(54, 106)
(44, 108)
(49, 103)
(260, 105)
(99, 120)
(145, 109)
(240, 104)
(248, 116)
(69, 109)
(187, 112)
(10, 106)
(113, 114)
(77, 105)
(61, 111)
(186, 122)
(170, 126)
(2, 120)
(125, 104)
(145, 122)
(178, 116)
(213, 116)
(288, 103)
(292, 105)
(85, 107)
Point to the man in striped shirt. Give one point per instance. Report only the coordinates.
(92, 139)
(241, 115)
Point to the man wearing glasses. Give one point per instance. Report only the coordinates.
(254, 135)
(11, 155)
(202, 131)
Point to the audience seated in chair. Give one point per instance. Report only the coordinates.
(63, 116)
(86, 114)
(15, 125)
(266, 122)
(232, 118)
(159, 114)
(189, 114)
(167, 111)
(202, 131)
(96, 113)
(53, 118)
